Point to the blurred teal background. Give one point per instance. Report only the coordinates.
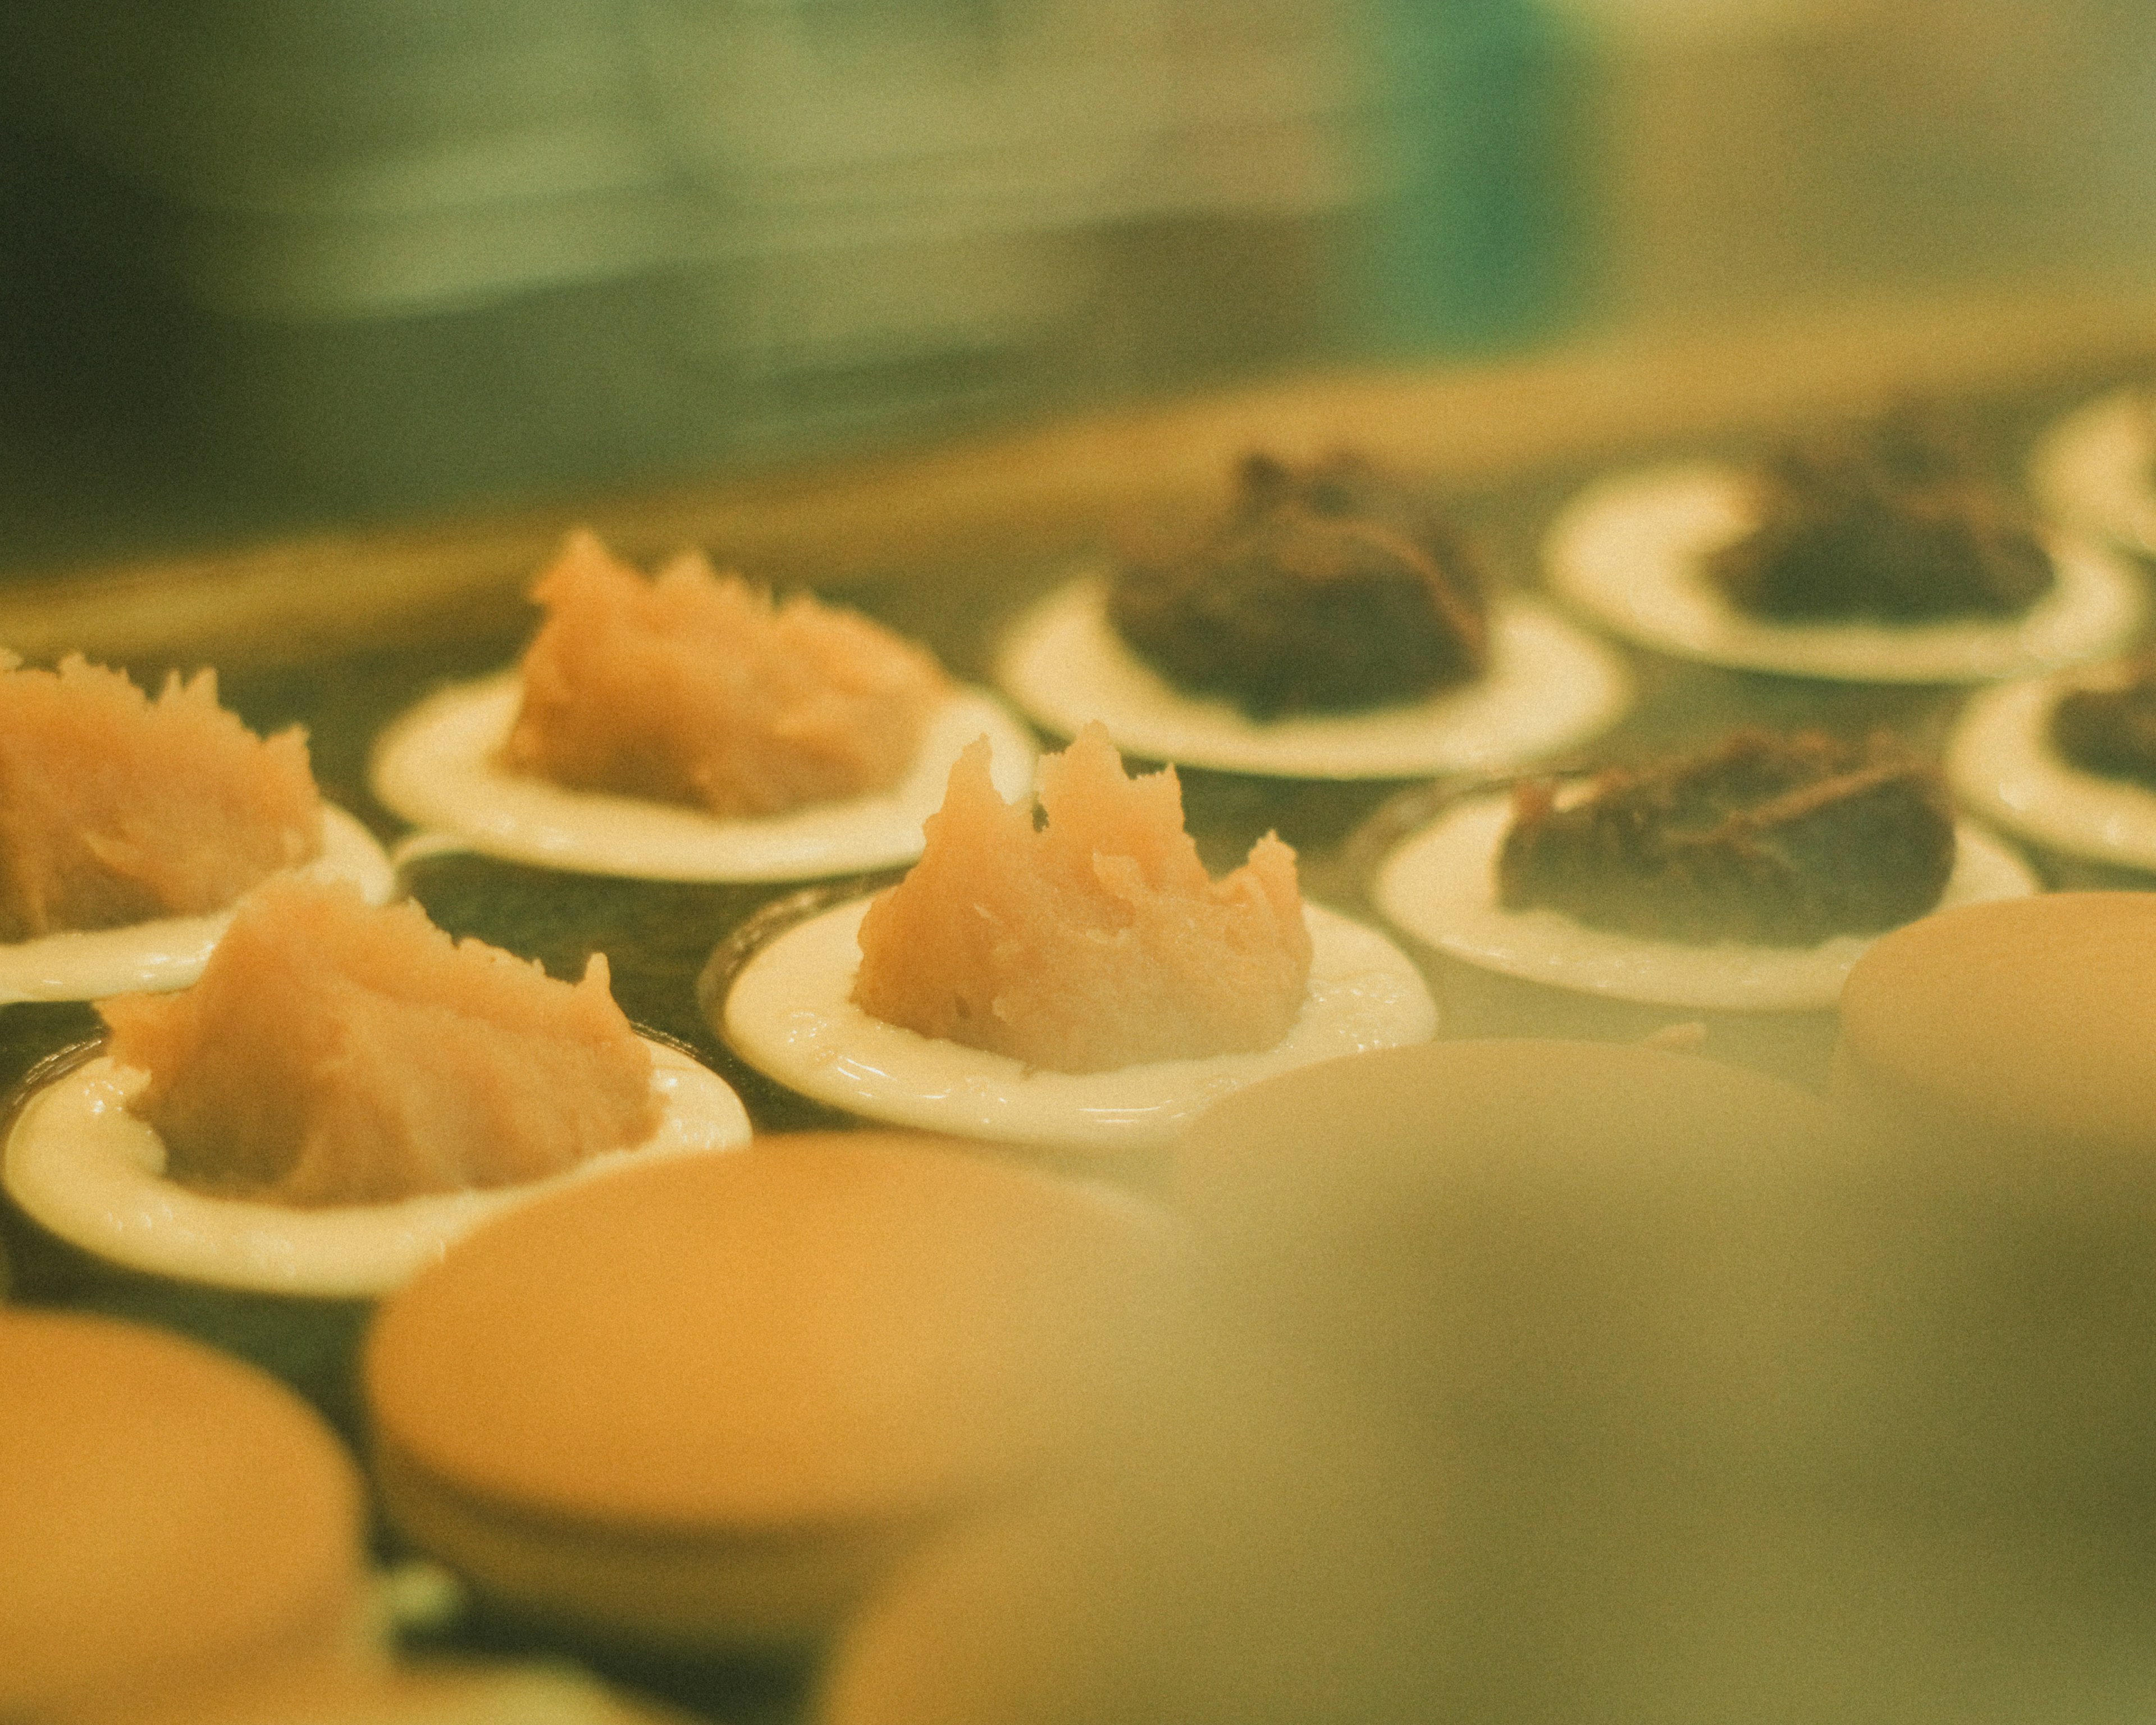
(275, 263)
(1477, 217)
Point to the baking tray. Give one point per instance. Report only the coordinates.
(339, 633)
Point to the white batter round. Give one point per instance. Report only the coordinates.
(438, 768)
(1440, 886)
(169, 952)
(1548, 687)
(1630, 551)
(92, 1172)
(2096, 469)
(789, 1014)
(2000, 762)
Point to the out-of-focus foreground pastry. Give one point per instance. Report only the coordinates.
(700, 1406)
(170, 1517)
(2000, 1057)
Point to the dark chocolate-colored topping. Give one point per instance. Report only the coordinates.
(1330, 590)
(1890, 524)
(1779, 841)
(2112, 731)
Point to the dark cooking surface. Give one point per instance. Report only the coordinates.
(658, 936)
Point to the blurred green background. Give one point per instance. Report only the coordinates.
(268, 265)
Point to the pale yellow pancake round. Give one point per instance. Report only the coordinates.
(2026, 1020)
(165, 1512)
(702, 1403)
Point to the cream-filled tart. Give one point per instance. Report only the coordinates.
(1080, 983)
(789, 1014)
(343, 1094)
(439, 768)
(130, 824)
(169, 952)
(1635, 552)
(689, 728)
(79, 1162)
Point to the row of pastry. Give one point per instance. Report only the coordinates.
(1061, 973)
(1440, 1368)
(335, 1059)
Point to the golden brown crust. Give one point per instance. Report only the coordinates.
(166, 1512)
(706, 1398)
(2024, 1021)
(371, 1691)
(818, 1329)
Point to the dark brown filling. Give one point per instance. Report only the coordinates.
(1327, 590)
(1890, 524)
(2112, 731)
(1779, 841)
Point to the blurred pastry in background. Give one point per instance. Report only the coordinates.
(1335, 623)
(690, 728)
(1265, 1554)
(697, 688)
(1614, 1257)
(1331, 588)
(1887, 521)
(1721, 1413)
(2013, 1030)
(1998, 1055)
(2095, 469)
(2109, 728)
(1874, 553)
(1749, 875)
(432, 1691)
(185, 1544)
(2066, 761)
